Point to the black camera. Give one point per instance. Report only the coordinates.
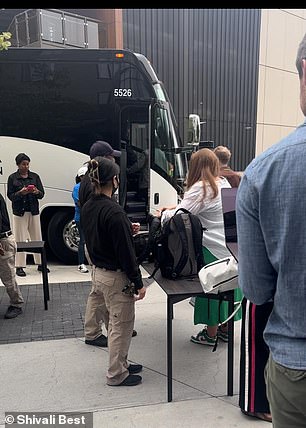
(129, 289)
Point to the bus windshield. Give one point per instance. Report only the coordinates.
(164, 143)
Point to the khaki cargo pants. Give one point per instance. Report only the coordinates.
(107, 286)
(8, 272)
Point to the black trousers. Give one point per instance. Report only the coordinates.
(254, 354)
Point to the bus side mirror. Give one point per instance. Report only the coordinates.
(194, 130)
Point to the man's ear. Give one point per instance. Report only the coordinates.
(303, 63)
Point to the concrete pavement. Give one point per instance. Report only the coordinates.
(65, 375)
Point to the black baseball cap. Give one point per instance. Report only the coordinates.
(102, 148)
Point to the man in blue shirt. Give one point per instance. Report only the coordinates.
(271, 209)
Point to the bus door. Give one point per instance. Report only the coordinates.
(133, 133)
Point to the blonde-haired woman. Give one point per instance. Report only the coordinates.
(203, 198)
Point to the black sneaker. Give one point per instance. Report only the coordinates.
(20, 272)
(134, 333)
(131, 380)
(39, 268)
(223, 335)
(100, 341)
(12, 312)
(134, 368)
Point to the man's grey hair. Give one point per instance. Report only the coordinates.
(301, 54)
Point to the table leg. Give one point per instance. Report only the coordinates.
(169, 347)
(230, 349)
(45, 278)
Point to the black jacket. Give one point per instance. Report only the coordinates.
(108, 237)
(22, 203)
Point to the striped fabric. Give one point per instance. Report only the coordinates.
(254, 354)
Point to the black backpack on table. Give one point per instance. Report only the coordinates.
(178, 246)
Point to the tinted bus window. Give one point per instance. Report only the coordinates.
(67, 104)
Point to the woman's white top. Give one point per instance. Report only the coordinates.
(210, 214)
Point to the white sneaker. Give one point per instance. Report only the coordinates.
(83, 269)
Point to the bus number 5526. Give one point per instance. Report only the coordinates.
(122, 92)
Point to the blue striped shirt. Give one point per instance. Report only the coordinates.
(271, 226)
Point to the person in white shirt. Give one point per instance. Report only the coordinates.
(203, 198)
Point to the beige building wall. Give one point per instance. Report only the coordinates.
(278, 109)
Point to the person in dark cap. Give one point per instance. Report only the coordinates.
(99, 148)
(104, 149)
(24, 189)
(116, 277)
(95, 314)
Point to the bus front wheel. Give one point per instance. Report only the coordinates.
(63, 237)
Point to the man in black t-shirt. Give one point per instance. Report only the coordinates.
(116, 276)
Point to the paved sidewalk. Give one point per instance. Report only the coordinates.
(68, 376)
(63, 319)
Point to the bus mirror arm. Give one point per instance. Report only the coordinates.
(178, 150)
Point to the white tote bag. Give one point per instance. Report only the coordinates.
(219, 276)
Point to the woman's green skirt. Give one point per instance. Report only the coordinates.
(210, 311)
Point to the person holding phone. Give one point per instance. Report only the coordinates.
(24, 189)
